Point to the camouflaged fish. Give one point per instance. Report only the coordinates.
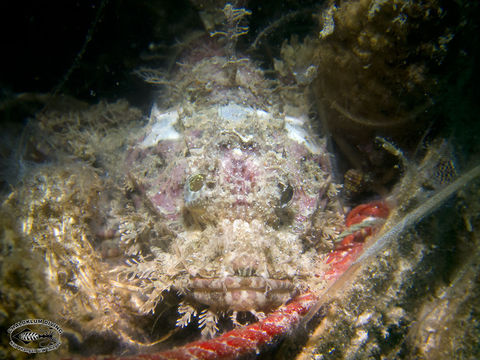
(244, 192)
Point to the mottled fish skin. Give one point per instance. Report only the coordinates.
(240, 188)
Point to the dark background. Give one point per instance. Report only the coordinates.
(41, 42)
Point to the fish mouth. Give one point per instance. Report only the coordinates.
(242, 293)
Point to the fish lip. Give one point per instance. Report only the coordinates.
(242, 293)
(228, 283)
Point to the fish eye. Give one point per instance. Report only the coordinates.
(286, 194)
(195, 182)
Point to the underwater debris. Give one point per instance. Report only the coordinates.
(400, 256)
